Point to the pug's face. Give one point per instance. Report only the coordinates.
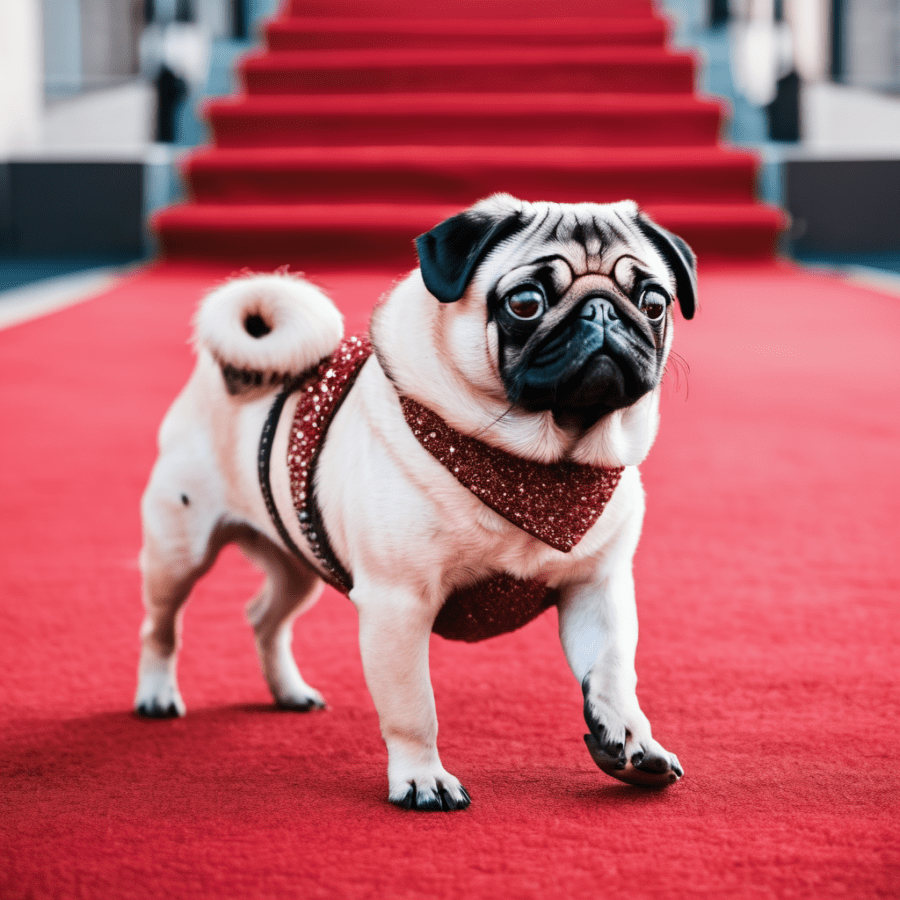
(578, 299)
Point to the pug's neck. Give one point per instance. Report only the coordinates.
(441, 356)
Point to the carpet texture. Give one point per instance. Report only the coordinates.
(768, 584)
(362, 122)
(768, 577)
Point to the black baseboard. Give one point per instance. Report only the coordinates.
(843, 206)
(52, 207)
(79, 208)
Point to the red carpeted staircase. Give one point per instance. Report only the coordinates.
(364, 123)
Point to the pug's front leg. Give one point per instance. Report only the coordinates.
(394, 631)
(598, 629)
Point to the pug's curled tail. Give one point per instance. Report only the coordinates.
(264, 330)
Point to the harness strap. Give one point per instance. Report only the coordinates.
(320, 399)
(323, 389)
(264, 457)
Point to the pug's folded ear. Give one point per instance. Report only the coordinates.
(451, 251)
(680, 259)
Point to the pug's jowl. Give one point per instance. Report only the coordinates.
(468, 464)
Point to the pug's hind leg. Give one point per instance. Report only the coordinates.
(290, 589)
(158, 696)
(179, 546)
(394, 631)
(598, 629)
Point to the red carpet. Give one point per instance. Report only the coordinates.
(362, 123)
(768, 584)
(768, 575)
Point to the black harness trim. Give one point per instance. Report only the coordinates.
(311, 522)
(309, 516)
(263, 459)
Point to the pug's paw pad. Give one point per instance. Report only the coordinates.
(430, 795)
(644, 766)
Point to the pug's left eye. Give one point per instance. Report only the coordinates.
(653, 303)
(526, 304)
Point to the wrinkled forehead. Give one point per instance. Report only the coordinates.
(565, 242)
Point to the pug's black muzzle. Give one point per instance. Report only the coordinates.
(600, 358)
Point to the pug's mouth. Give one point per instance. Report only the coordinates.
(583, 372)
(581, 394)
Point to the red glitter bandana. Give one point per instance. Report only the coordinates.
(554, 502)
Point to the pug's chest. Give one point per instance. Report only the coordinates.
(518, 520)
(522, 577)
(493, 605)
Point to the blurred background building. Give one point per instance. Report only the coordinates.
(100, 98)
(814, 87)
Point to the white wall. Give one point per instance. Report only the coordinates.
(873, 44)
(839, 120)
(109, 36)
(21, 74)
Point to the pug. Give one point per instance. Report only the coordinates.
(467, 465)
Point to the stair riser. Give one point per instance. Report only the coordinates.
(462, 187)
(469, 9)
(282, 39)
(622, 129)
(348, 246)
(666, 76)
(271, 248)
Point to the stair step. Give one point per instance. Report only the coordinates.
(365, 123)
(502, 120)
(466, 9)
(501, 70)
(723, 231)
(374, 234)
(461, 175)
(438, 34)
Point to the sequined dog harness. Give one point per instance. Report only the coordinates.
(555, 502)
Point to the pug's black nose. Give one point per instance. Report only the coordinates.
(599, 309)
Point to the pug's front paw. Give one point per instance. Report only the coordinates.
(620, 743)
(157, 695)
(651, 766)
(428, 793)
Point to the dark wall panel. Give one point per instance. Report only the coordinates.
(844, 206)
(74, 207)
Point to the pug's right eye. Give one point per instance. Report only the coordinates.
(526, 304)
